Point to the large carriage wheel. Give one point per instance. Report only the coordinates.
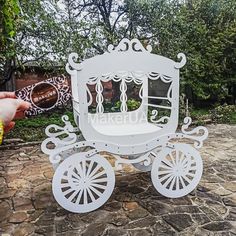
(82, 184)
(176, 172)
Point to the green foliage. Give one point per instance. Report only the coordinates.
(224, 114)
(33, 129)
(210, 46)
(205, 30)
(132, 105)
(9, 12)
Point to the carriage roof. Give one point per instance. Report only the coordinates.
(127, 56)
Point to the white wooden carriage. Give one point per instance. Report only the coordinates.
(146, 137)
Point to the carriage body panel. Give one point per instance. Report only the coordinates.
(139, 66)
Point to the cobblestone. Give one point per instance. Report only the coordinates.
(27, 206)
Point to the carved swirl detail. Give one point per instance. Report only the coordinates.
(162, 119)
(129, 45)
(198, 130)
(145, 158)
(73, 57)
(54, 132)
(183, 61)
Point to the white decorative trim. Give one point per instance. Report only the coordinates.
(162, 119)
(57, 131)
(90, 96)
(64, 145)
(129, 45)
(72, 63)
(123, 96)
(183, 61)
(145, 158)
(138, 77)
(200, 129)
(99, 97)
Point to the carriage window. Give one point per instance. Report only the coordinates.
(159, 100)
(127, 91)
(110, 96)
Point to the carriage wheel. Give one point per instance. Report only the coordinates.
(82, 184)
(176, 172)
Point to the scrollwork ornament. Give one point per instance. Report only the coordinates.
(189, 133)
(54, 132)
(129, 45)
(55, 159)
(73, 57)
(183, 61)
(154, 116)
(145, 158)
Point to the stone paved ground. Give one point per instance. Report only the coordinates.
(27, 206)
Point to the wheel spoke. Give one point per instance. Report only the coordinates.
(181, 158)
(76, 176)
(165, 177)
(173, 183)
(68, 191)
(98, 175)
(185, 161)
(79, 196)
(66, 177)
(95, 191)
(163, 172)
(168, 181)
(89, 168)
(193, 168)
(79, 170)
(65, 185)
(85, 196)
(101, 180)
(177, 157)
(165, 167)
(70, 198)
(182, 182)
(95, 170)
(99, 186)
(83, 168)
(168, 163)
(91, 195)
(177, 183)
(186, 178)
(191, 174)
(172, 159)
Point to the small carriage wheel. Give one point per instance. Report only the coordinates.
(176, 172)
(82, 184)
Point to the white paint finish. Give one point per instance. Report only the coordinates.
(177, 171)
(83, 184)
(126, 129)
(148, 145)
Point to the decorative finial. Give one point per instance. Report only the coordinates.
(183, 61)
(129, 45)
(72, 63)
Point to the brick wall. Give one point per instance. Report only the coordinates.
(29, 78)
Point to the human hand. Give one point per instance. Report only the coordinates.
(11, 108)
